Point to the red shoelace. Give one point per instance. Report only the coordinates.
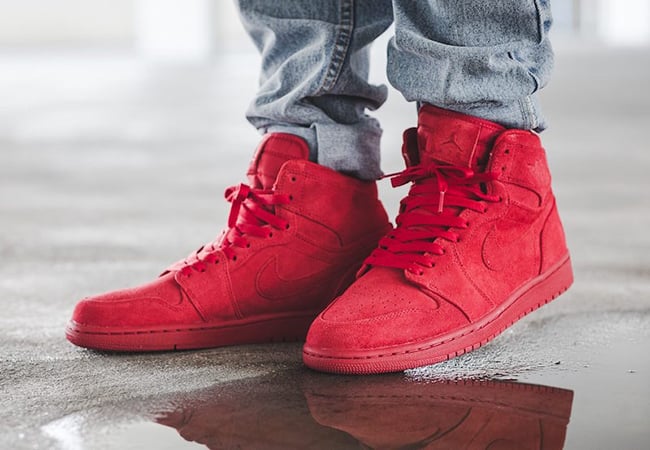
(430, 213)
(252, 214)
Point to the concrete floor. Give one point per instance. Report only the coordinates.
(111, 169)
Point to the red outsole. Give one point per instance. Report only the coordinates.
(287, 328)
(525, 300)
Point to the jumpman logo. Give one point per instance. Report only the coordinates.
(452, 140)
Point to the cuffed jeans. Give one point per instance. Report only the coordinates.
(478, 57)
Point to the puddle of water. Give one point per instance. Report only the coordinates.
(146, 435)
(612, 398)
(596, 395)
(303, 410)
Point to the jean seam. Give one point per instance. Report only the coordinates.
(341, 46)
(528, 112)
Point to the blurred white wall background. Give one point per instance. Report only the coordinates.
(196, 29)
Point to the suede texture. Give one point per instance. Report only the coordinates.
(334, 222)
(510, 243)
(144, 305)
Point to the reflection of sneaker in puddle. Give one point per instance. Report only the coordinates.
(394, 413)
(259, 413)
(273, 412)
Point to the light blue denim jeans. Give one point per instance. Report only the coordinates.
(478, 57)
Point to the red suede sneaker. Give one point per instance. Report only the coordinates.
(478, 245)
(295, 238)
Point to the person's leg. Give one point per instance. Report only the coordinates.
(478, 242)
(299, 231)
(486, 59)
(314, 78)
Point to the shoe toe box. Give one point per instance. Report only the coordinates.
(158, 303)
(379, 311)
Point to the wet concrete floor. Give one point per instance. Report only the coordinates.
(111, 169)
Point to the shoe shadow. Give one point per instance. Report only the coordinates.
(305, 410)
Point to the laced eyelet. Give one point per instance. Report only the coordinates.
(416, 271)
(435, 187)
(251, 213)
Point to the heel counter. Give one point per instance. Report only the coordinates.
(552, 240)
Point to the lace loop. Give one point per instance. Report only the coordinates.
(252, 214)
(430, 213)
(236, 195)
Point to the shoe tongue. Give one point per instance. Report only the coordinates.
(453, 138)
(274, 150)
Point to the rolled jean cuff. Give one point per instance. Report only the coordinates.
(351, 149)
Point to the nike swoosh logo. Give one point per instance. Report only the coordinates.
(505, 240)
(283, 279)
